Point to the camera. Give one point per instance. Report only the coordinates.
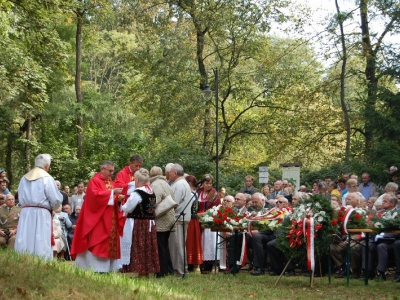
(7, 232)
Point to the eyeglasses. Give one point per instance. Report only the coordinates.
(238, 199)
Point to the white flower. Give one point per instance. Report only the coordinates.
(378, 225)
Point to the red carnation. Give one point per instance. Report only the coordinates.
(334, 223)
(357, 216)
(343, 208)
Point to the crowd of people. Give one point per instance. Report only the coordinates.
(147, 222)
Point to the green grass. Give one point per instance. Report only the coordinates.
(25, 277)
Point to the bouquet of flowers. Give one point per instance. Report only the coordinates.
(291, 237)
(386, 221)
(351, 218)
(222, 216)
(269, 221)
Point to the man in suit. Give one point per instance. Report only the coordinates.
(383, 243)
(278, 190)
(260, 239)
(240, 207)
(240, 203)
(9, 216)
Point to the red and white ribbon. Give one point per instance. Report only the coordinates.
(346, 220)
(243, 253)
(309, 230)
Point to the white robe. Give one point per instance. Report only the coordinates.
(34, 226)
(126, 239)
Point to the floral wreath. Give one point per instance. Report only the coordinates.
(386, 221)
(350, 218)
(222, 216)
(270, 221)
(292, 237)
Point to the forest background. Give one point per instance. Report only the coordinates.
(89, 80)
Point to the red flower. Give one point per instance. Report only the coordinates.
(334, 222)
(343, 208)
(294, 222)
(318, 227)
(357, 216)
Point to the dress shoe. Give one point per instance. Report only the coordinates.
(273, 273)
(381, 277)
(257, 272)
(396, 278)
(290, 273)
(340, 274)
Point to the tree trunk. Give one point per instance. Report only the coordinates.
(9, 151)
(78, 90)
(342, 84)
(370, 74)
(27, 144)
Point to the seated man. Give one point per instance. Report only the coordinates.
(338, 249)
(259, 239)
(278, 259)
(240, 207)
(396, 248)
(9, 216)
(382, 245)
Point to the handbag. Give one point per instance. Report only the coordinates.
(165, 206)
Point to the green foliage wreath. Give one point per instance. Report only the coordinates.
(290, 237)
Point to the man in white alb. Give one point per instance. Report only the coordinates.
(37, 195)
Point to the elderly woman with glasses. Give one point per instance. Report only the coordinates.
(352, 186)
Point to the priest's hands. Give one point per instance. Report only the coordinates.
(117, 190)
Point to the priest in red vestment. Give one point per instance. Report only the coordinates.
(125, 179)
(96, 244)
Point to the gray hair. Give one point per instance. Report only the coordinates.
(178, 169)
(259, 196)
(106, 163)
(154, 171)
(168, 167)
(142, 175)
(391, 186)
(358, 197)
(42, 160)
(392, 198)
(302, 195)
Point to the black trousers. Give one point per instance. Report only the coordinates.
(230, 247)
(163, 251)
(259, 243)
(278, 259)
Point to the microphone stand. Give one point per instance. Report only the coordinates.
(183, 229)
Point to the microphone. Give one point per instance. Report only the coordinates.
(207, 178)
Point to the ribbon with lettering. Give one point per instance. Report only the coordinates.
(309, 230)
(346, 220)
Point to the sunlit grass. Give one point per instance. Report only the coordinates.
(25, 277)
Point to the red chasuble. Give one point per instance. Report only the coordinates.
(97, 226)
(123, 178)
